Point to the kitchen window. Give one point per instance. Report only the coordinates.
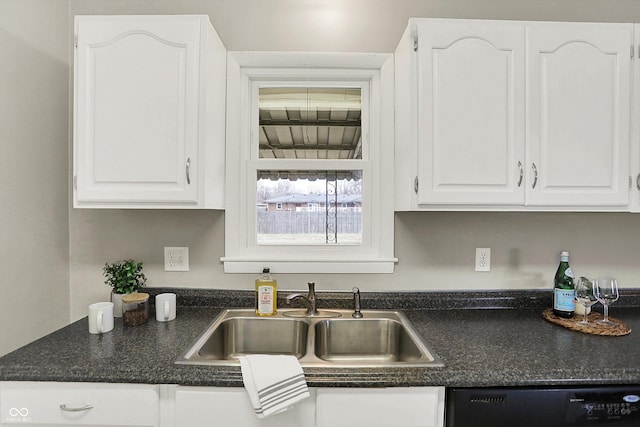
(309, 163)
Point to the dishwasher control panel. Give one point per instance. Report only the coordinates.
(602, 407)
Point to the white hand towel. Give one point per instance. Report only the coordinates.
(273, 382)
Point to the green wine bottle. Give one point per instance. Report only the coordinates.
(563, 288)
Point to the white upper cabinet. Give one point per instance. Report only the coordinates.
(578, 100)
(635, 125)
(149, 114)
(470, 85)
(502, 115)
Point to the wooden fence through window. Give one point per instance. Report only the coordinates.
(348, 222)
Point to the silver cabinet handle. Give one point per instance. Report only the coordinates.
(521, 173)
(76, 409)
(535, 175)
(188, 170)
(638, 181)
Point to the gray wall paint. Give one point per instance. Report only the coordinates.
(34, 171)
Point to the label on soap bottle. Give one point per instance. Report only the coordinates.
(265, 300)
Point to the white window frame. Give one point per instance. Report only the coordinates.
(375, 73)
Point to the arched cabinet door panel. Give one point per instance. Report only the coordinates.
(470, 112)
(578, 100)
(143, 120)
(513, 115)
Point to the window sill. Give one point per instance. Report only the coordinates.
(324, 266)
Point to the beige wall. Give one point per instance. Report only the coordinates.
(436, 250)
(352, 25)
(34, 225)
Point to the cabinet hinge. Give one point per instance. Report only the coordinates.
(415, 185)
(415, 44)
(630, 182)
(75, 41)
(75, 182)
(632, 49)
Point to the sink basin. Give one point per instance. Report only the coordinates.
(370, 340)
(381, 338)
(241, 335)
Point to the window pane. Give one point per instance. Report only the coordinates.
(310, 123)
(309, 207)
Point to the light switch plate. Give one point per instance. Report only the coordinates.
(176, 258)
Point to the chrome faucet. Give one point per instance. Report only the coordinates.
(308, 300)
(356, 303)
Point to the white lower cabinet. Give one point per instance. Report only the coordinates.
(79, 404)
(385, 407)
(141, 405)
(230, 406)
(327, 407)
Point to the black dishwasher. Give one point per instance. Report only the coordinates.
(544, 407)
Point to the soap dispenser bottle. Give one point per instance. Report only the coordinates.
(266, 294)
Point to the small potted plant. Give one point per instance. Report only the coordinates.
(124, 277)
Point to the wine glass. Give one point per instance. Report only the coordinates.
(606, 290)
(585, 296)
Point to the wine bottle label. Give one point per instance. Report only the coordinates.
(563, 299)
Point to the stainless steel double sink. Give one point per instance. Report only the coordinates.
(381, 338)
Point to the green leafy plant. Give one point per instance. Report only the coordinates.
(124, 276)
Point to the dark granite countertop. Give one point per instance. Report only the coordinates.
(483, 338)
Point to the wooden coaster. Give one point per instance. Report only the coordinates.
(619, 329)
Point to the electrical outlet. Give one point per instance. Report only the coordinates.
(176, 258)
(483, 259)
